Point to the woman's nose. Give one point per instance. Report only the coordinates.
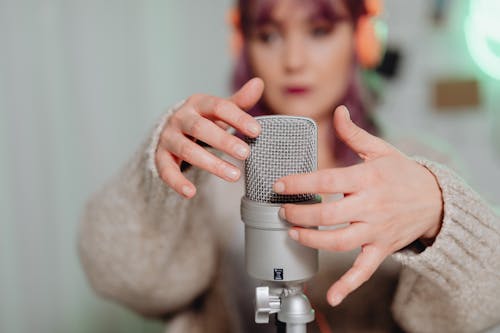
(294, 54)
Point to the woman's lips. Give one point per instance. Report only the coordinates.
(296, 90)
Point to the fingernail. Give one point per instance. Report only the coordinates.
(347, 115)
(253, 128)
(187, 191)
(233, 174)
(294, 234)
(241, 151)
(279, 187)
(281, 213)
(336, 299)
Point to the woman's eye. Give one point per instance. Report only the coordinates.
(267, 36)
(321, 31)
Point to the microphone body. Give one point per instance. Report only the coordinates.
(287, 145)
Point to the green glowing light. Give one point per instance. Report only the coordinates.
(482, 32)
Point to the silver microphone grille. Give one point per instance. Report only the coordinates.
(287, 145)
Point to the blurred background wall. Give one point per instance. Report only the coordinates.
(83, 81)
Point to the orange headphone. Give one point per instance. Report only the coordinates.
(368, 45)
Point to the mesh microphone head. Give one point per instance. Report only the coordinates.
(287, 145)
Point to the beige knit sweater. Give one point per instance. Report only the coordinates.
(144, 246)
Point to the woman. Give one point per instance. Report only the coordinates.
(164, 237)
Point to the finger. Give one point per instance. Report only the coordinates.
(248, 95)
(230, 113)
(192, 153)
(345, 210)
(222, 124)
(170, 173)
(367, 146)
(339, 240)
(338, 180)
(208, 132)
(363, 268)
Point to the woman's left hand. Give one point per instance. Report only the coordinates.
(389, 202)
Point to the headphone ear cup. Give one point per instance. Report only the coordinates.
(374, 7)
(236, 42)
(368, 45)
(236, 39)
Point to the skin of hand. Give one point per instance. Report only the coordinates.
(206, 118)
(389, 202)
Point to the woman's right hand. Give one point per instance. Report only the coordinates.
(206, 118)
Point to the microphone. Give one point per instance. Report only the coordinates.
(287, 145)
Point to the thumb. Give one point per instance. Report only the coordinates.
(367, 146)
(249, 94)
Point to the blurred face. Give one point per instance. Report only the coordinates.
(303, 55)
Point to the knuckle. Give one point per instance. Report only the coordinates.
(186, 152)
(225, 140)
(289, 182)
(163, 173)
(351, 279)
(193, 99)
(294, 183)
(342, 243)
(305, 237)
(164, 137)
(196, 127)
(241, 118)
(220, 107)
(363, 274)
(291, 214)
(175, 119)
(232, 143)
(355, 133)
(327, 242)
(338, 246)
(219, 167)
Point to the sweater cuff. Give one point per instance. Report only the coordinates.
(467, 237)
(155, 139)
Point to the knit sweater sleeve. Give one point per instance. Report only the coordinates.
(454, 284)
(143, 245)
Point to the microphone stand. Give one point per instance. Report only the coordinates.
(286, 145)
(292, 308)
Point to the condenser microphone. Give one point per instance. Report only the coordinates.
(287, 145)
